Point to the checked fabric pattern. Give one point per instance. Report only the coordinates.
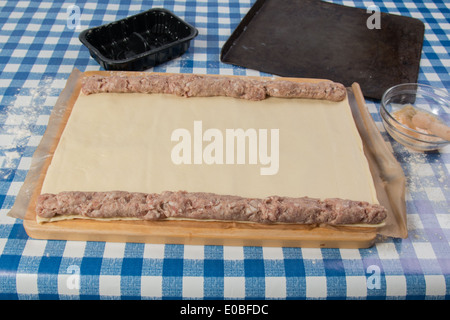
(39, 48)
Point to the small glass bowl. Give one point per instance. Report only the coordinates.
(425, 98)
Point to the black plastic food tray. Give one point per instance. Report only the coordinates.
(140, 41)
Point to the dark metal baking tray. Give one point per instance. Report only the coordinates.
(316, 39)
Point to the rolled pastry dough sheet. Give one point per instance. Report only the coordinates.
(122, 141)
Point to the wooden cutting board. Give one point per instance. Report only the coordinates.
(191, 232)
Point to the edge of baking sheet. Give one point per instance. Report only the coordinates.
(179, 232)
(241, 27)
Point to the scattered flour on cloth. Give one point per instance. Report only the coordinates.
(21, 117)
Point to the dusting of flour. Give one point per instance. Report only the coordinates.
(424, 171)
(21, 117)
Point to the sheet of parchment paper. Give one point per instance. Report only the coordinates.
(388, 175)
(45, 148)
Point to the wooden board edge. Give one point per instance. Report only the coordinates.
(202, 233)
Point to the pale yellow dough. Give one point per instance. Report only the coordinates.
(122, 141)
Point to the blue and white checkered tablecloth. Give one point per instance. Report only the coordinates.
(38, 51)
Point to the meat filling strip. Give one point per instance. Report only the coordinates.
(191, 85)
(209, 206)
